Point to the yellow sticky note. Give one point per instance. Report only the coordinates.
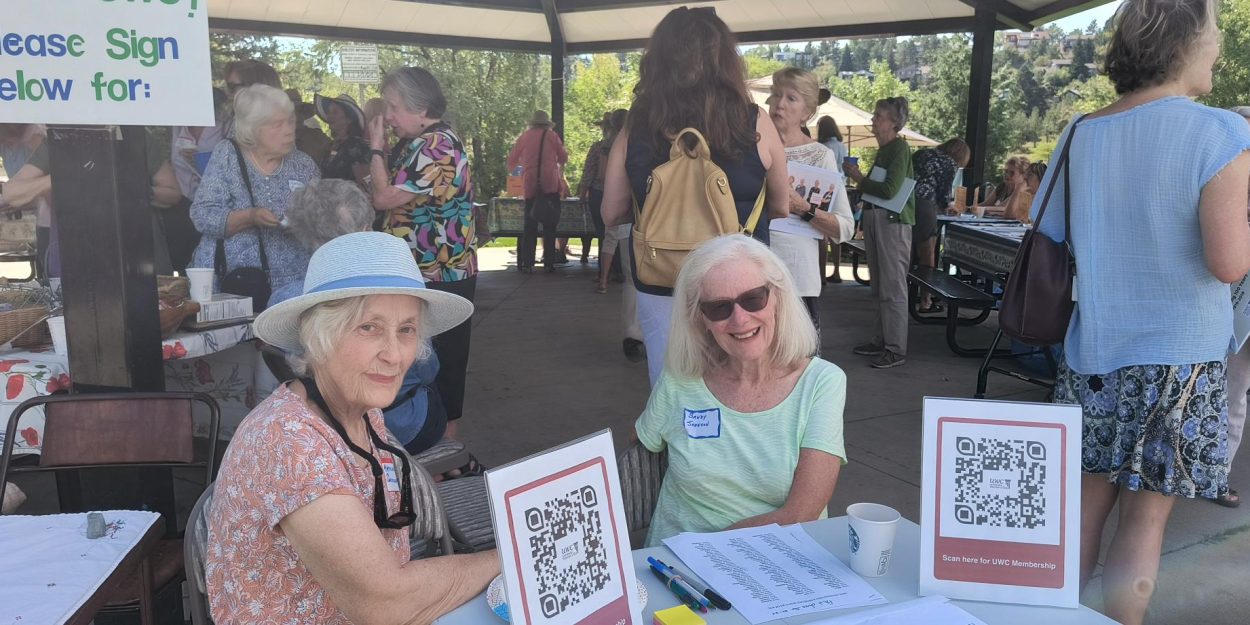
(680, 615)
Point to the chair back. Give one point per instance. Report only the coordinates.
(195, 551)
(99, 430)
(642, 473)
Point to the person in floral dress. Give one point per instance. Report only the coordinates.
(429, 204)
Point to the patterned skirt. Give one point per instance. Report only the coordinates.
(1161, 428)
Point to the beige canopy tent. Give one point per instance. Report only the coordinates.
(855, 123)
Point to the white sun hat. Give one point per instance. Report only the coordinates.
(359, 264)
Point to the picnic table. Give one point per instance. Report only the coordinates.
(506, 218)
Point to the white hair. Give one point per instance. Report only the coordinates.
(323, 326)
(691, 348)
(255, 106)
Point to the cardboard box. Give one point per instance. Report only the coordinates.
(223, 307)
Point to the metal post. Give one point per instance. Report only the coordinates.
(979, 82)
(557, 89)
(104, 222)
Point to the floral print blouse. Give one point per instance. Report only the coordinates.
(438, 222)
(282, 457)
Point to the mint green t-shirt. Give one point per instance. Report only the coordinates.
(724, 465)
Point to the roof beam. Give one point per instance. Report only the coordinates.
(810, 33)
(575, 6)
(1061, 9)
(1008, 14)
(553, 24)
(529, 6)
(366, 35)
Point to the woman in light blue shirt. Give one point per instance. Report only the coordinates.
(1158, 209)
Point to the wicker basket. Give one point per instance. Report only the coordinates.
(14, 321)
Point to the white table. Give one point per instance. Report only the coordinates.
(900, 584)
(52, 574)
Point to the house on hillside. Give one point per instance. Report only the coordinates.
(1025, 40)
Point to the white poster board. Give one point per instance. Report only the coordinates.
(1241, 313)
(358, 63)
(125, 62)
(816, 185)
(563, 542)
(1000, 511)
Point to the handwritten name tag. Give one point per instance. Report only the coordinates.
(702, 423)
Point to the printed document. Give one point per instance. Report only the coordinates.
(935, 610)
(773, 572)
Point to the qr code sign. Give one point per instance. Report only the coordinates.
(1000, 482)
(570, 562)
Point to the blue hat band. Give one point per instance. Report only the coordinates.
(372, 282)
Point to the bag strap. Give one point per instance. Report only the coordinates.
(754, 219)
(542, 143)
(1067, 187)
(219, 258)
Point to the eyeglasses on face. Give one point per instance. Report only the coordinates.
(720, 309)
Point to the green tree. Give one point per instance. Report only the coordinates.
(226, 47)
(600, 83)
(758, 67)
(1232, 72)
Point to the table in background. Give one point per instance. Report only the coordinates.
(983, 247)
(53, 574)
(506, 218)
(899, 584)
(223, 363)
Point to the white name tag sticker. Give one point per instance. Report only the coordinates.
(388, 470)
(702, 423)
(295, 185)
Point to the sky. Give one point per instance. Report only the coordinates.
(1082, 19)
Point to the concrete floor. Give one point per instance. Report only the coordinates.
(547, 367)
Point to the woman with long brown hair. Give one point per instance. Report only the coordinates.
(691, 76)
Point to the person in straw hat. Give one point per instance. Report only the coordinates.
(540, 153)
(349, 152)
(309, 521)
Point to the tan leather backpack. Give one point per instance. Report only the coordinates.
(688, 202)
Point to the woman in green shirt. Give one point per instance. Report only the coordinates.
(887, 235)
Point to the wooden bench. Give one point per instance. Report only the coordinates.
(957, 294)
(857, 250)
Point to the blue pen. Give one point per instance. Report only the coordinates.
(677, 579)
(712, 597)
(690, 600)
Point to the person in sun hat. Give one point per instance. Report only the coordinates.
(751, 421)
(309, 521)
(349, 152)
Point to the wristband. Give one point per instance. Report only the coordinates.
(809, 215)
(378, 153)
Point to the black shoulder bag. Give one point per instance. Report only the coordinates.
(250, 282)
(1037, 300)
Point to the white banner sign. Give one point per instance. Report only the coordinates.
(359, 64)
(134, 62)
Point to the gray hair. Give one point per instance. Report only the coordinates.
(1243, 111)
(898, 110)
(419, 89)
(323, 326)
(256, 106)
(691, 348)
(325, 209)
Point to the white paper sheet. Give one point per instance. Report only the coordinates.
(773, 572)
(798, 251)
(1241, 313)
(935, 610)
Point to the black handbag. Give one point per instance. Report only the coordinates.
(1037, 300)
(250, 282)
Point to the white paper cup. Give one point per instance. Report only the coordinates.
(56, 326)
(870, 528)
(201, 283)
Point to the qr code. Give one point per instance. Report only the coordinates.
(1000, 483)
(566, 546)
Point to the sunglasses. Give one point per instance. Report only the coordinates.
(720, 309)
(405, 516)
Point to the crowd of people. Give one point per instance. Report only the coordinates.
(366, 243)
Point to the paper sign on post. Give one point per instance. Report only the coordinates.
(111, 62)
(358, 63)
(1000, 504)
(562, 538)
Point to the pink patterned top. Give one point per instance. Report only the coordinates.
(283, 457)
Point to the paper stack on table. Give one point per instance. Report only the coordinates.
(772, 572)
(935, 610)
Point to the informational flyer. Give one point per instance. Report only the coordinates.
(817, 187)
(1241, 313)
(1000, 501)
(562, 538)
(773, 572)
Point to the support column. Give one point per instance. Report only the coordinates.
(979, 82)
(104, 221)
(557, 88)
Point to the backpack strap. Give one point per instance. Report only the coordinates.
(754, 219)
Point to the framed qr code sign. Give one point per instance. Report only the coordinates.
(562, 538)
(1000, 512)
